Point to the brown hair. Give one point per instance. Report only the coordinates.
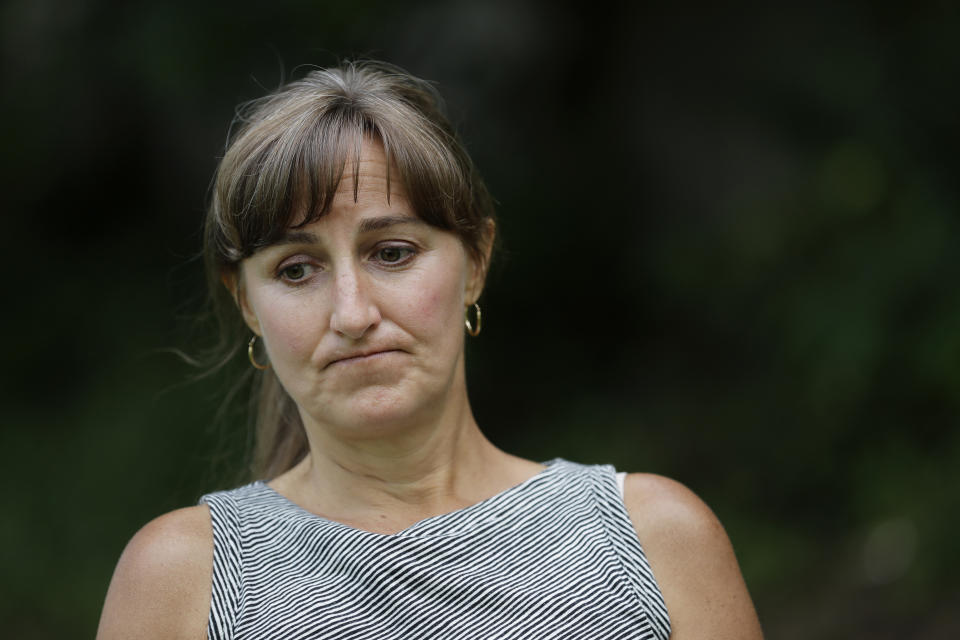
(281, 169)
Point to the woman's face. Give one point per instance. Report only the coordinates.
(361, 312)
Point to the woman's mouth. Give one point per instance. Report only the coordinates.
(363, 357)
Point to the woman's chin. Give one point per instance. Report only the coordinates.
(372, 413)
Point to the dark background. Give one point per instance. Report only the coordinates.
(730, 256)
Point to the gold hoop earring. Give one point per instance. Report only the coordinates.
(253, 360)
(473, 330)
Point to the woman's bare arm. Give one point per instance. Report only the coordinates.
(692, 560)
(161, 586)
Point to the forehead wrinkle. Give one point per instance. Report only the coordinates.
(371, 169)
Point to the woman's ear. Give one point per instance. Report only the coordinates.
(479, 265)
(234, 283)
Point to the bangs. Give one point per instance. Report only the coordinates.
(284, 169)
(283, 173)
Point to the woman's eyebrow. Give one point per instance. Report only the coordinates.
(375, 224)
(295, 237)
(367, 225)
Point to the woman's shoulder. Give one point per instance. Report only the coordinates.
(161, 585)
(659, 505)
(172, 539)
(692, 559)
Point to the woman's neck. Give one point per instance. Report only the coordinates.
(386, 484)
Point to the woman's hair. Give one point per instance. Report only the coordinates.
(281, 169)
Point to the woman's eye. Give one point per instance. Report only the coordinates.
(294, 272)
(394, 254)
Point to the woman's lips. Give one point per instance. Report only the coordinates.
(362, 357)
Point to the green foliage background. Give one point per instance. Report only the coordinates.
(730, 256)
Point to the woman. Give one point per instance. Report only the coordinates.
(352, 233)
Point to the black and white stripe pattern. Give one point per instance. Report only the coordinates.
(555, 557)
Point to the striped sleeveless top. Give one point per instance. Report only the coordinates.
(553, 557)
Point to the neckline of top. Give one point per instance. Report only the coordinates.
(420, 528)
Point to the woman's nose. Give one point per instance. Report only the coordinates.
(354, 311)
